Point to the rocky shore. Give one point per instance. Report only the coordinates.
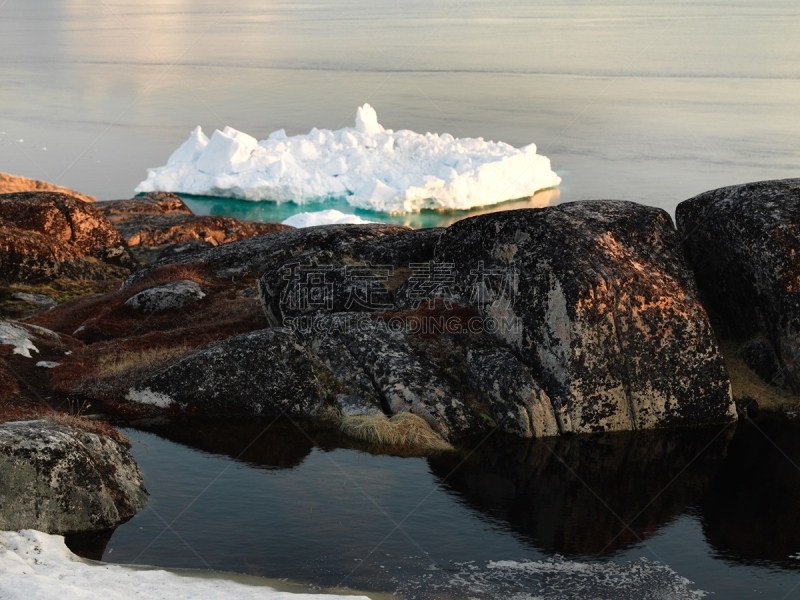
(585, 317)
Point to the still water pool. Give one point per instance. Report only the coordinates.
(644, 515)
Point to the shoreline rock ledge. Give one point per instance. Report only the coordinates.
(601, 328)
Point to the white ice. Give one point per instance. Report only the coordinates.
(372, 167)
(38, 565)
(324, 217)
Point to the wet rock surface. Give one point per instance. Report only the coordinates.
(742, 243)
(60, 480)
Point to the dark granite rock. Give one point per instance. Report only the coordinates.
(61, 480)
(519, 405)
(258, 374)
(377, 365)
(742, 242)
(169, 296)
(760, 357)
(597, 300)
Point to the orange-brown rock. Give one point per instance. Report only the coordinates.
(10, 184)
(44, 235)
(162, 219)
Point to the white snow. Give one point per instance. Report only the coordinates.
(374, 168)
(323, 217)
(38, 565)
(47, 364)
(19, 337)
(148, 396)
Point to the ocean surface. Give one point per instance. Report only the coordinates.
(646, 101)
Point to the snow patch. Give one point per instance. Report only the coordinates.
(38, 565)
(372, 167)
(47, 364)
(19, 337)
(148, 396)
(324, 217)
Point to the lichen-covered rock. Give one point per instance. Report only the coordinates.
(258, 254)
(597, 300)
(519, 405)
(373, 362)
(742, 242)
(258, 374)
(169, 296)
(44, 235)
(61, 480)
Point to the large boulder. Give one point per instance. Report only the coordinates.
(259, 374)
(742, 242)
(62, 480)
(596, 298)
(44, 235)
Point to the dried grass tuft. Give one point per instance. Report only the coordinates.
(404, 431)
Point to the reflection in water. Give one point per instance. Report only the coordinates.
(586, 495)
(751, 512)
(316, 512)
(269, 445)
(272, 212)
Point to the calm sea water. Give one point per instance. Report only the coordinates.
(646, 101)
(642, 516)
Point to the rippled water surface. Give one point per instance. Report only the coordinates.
(672, 515)
(645, 101)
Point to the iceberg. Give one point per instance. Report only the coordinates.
(373, 168)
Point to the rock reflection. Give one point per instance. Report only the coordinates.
(750, 514)
(577, 495)
(269, 445)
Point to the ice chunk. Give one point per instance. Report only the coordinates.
(191, 149)
(369, 166)
(367, 121)
(227, 150)
(323, 217)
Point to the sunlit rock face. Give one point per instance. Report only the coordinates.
(599, 303)
(742, 242)
(44, 235)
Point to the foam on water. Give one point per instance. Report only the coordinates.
(372, 167)
(555, 578)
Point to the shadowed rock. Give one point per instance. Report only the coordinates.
(60, 480)
(742, 242)
(263, 373)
